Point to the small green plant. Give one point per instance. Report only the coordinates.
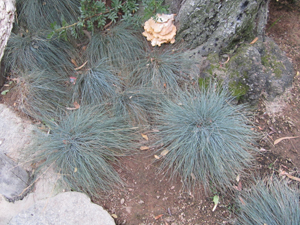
(42, 94)
(162, 69)
(269, 202)
(207, 138)
(95, 85)
(83, 145)
(96, 15)
(29, 53)
(152, 7)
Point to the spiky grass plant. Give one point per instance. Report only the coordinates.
(83, 146)
(161, 68)
(42, 94)
(36, 52)
(136, 104)
(269, 202)
(95, 85)
(41, 14)
(121, 45)
(206, 138)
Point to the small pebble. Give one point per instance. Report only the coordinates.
(122, 201)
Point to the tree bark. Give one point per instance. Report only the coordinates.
(7, 10)
(212, 25)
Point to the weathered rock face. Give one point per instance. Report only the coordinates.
(252, 71)
(69, 208)
(13, 179)
(213, 25)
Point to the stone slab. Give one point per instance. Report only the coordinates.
(68, 208)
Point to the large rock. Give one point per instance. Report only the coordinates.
(14, 180)
(69, 208)
(251, 71)
(209, 26)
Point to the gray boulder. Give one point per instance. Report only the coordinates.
(251, 71)
(14, 180)
(69, 208)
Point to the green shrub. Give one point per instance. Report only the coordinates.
(161, 68)
(82, 147)
(42, 94)
(95, 85)
(269, 202)
(28, 53)
(206, 138)
(121, 45)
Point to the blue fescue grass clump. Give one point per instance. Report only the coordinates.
(206, 138)
(39, 14)
(95, 85)
(26, 53)
(136, 104)
(163, 69)
(42, 94)
(269, 202)
(120, 44)
(83, 146)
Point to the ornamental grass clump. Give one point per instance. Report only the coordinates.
(138, 105)
(163, 69)
(42, 94)
(83, 146)
(205, 138)
(95, 85)
(269, 202)
(120, 44)
(28, 53)
(39, 14)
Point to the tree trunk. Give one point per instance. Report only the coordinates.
(212, 25)
(7, 10)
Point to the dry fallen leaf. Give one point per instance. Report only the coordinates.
(78, 68)
(157, 217)
(238, 178)
(242, 200)
(114, 216)
(145, 137)
(254, 40)
(74, 62)
(144, 148)
(283, 173)
(156, 156)
(77, 106)
(164, 152)
(283, 138)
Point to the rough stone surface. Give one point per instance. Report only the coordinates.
(13, 179)
(69, 208)
(15, 133)
(252, 71)
(212, 25)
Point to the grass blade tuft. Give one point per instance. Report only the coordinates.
(83, 146)
(207, 138)
(269, 202)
